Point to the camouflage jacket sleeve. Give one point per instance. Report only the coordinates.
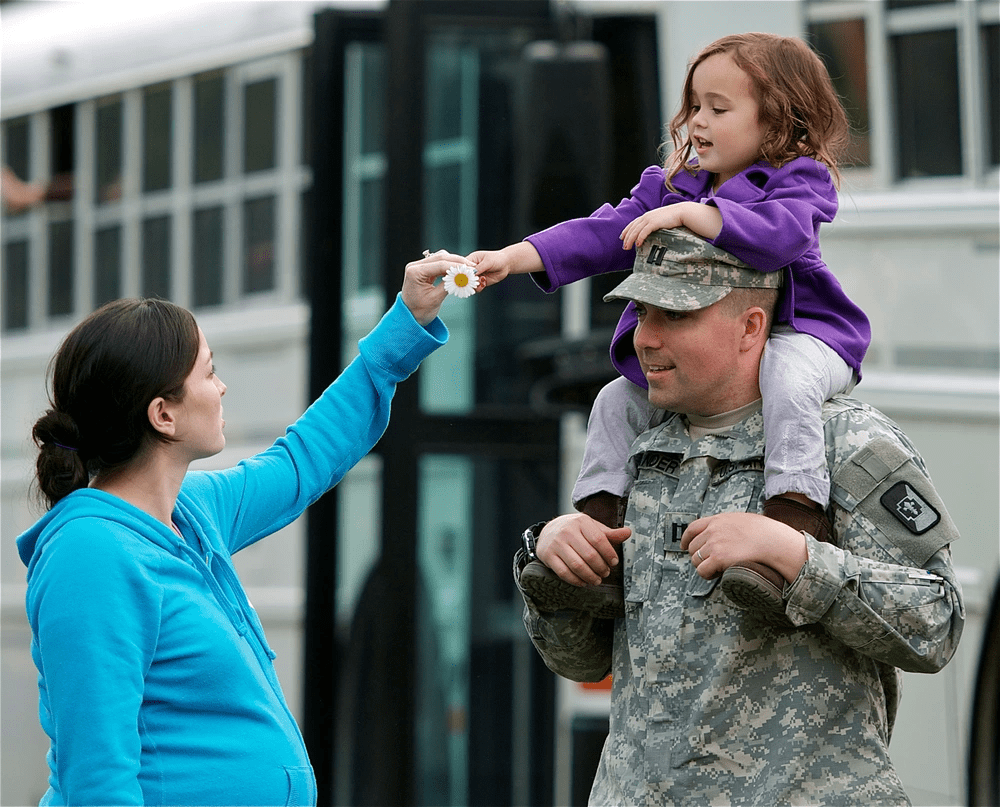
(887, 588)
(572, 644)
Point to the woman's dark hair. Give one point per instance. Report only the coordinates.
(101, 381)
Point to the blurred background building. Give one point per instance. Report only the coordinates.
(274, 165)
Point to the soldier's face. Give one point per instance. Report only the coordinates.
(691, 359)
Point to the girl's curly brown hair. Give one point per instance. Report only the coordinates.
(797, 102)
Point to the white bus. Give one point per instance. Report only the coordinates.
(272, 165)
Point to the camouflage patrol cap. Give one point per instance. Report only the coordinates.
(679, 271)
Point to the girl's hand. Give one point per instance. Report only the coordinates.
(703, 220)
(662, 218)
(420, 292)
(492, 266)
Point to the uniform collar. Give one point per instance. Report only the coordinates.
(744, 439)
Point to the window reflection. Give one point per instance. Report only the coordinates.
(991, 49)
(62, 134)
(444, 591)
(209, 127)
(364, 170)
(841, 45)
(258, 245)
(927, 113)
(372, 78)
(156, 257)
(207, 257)
(444, 92)
(107, 264)
(156, 138)
(894, 4)
(16, 153)
(17, 160)
(259, 151)
(60, 268)
(108, 152)
(15, 285)
(443, 185)
(372, 260)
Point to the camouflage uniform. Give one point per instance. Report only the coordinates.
(708, 705)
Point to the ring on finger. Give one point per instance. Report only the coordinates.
(427, 253)
(700, 556)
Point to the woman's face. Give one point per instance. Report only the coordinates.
(199, 423)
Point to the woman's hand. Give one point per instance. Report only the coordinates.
(420, 292)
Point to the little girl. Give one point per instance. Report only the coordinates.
(753, 171)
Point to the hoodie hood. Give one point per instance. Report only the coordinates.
(91, 503)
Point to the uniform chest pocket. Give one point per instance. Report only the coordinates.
(660, 510)
(658, 560)
(653, 529)
(736, 486)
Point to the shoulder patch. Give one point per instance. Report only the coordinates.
(909, 508)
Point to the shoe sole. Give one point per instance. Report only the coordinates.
(551, 594)
(751, 591)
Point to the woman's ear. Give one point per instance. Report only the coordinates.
(161, 416)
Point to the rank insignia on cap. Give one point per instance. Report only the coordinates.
(910, 508)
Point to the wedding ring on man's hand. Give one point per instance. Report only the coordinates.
(700, 556)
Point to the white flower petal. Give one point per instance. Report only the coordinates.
(460, 281)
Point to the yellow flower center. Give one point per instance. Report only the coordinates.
(461, 279)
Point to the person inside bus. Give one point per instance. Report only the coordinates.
(156, 682)
(710, 703)
(19, 195)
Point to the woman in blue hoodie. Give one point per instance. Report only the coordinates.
(156, 682)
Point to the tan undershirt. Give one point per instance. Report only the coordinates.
(699, 426)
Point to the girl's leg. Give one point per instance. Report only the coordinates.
(621, 412)
(797, 374)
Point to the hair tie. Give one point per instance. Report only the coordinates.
(68, 448)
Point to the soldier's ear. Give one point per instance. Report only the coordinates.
(754, 327)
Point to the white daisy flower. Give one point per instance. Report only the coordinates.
(461, 281)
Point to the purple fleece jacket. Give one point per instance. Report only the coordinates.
(770, 220)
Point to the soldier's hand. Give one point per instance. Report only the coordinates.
(717, 542)
(580, 549)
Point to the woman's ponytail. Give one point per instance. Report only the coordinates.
(61, 466)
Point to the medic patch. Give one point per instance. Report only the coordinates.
(910, 508)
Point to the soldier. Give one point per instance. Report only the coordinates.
(712, 703)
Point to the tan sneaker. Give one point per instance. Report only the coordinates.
(606, 600)
(758, 587)
(551, 593)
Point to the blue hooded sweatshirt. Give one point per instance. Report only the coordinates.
(156, 683)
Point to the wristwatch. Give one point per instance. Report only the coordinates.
(528, 538)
